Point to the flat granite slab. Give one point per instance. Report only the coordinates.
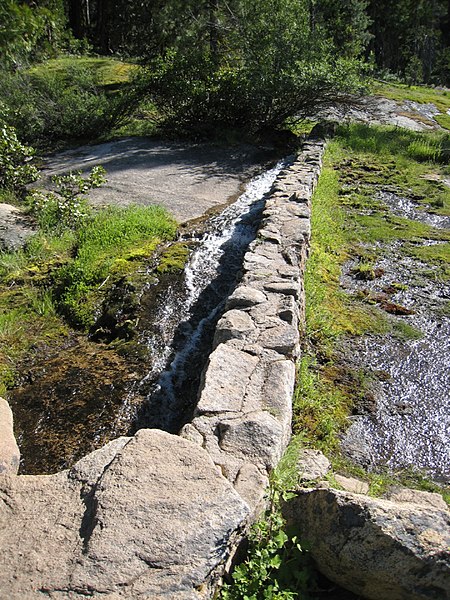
(188, 179)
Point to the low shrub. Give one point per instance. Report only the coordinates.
(15, 168)
(48, 106)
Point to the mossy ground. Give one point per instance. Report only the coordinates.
(350, 221)
(59, 281)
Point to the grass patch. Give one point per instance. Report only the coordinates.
(110, 73)
(421, 94)
(437, 254)
(109, 244)
(443, 120)
(60, 279)
(320, 409)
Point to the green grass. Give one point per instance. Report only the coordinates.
(67, 274)
(443, 120)
(349, 221)
(110, 244)
(415, 93)
(437, 255)
(109, 72)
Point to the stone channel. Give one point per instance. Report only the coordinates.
(158, 515)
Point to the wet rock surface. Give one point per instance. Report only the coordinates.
(380, 549)
(409, 424)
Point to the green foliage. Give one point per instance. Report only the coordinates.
(15, 170)
(47, 106)
(410, 37)
(268, 66)
(29, 32)
(108, 73)
(276, 567)
(67, 208)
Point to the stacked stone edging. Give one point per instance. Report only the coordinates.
(151, 516)
(243, 417)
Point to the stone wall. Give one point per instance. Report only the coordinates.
(243, 417)
(152, 516)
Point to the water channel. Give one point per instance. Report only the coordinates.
(77, 398)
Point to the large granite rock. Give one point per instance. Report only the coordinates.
(9, 451)
(147, 517)
(379, 549)
(15, 227)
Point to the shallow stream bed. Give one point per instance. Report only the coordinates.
(74, 399)
(409, 426)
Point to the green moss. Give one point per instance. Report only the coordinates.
(320, 409)
(174, 258)
(438, 254)
(443, 120)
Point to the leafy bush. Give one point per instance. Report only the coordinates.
(276, 566)
(54, 105)
(15, 170)
(267, 67)
(67, 208)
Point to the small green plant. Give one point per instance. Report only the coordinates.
(15, 168)
(276, 566)
(67, 208)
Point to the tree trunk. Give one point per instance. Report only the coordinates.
(79, 17)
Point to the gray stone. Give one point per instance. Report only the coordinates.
(9, 450)
(256, 437)
(225, 380)
(40, 534)
(15, 227)
(351, 484)
(312, 464)
(376, 548)
(187, 179)
(245, 296)
(162, 522)
(251, 485)
(159, 523)
(420, 497)
(283, 338)
(235, 324)
(289, 288)
(91, 467)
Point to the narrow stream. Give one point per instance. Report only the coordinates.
(188, 312)
(78, 397)
(410, 427)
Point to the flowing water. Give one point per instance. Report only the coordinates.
(410, 427)
(83, 395)
(188, 312)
